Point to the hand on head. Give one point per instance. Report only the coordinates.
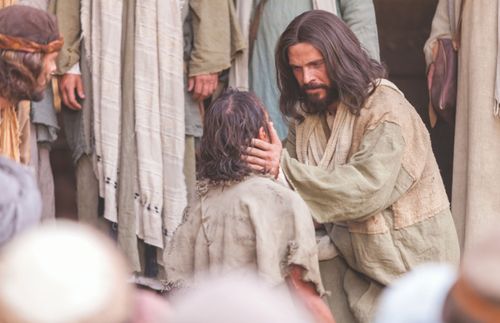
(265, 156)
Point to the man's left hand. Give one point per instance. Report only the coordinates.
(265, 156)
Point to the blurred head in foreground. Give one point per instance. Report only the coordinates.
(440, 293)
(475, 296)
(63, 273)
(236, 299)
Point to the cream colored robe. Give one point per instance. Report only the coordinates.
(475, 203)
(257, 225)
(386, 208)
(138, 120)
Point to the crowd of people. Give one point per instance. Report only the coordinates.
(241, 161)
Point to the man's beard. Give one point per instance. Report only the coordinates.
(37, 94)
(313, 101)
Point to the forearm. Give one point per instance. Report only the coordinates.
(306, 292)
(360, 188)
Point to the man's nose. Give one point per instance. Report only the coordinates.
(308, 76)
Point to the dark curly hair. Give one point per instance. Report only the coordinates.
(350, 70)
(230, 124)
(19, 73)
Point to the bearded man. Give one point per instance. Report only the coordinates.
(29, 45)
(361, 158)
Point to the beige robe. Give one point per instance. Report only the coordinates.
(137, 116)
(9, 133)
(256, 224)
(386, 208)
(475, 203)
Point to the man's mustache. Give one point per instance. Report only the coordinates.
(314, 86)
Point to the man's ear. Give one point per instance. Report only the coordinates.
(263, 135)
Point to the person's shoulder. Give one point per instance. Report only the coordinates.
(269, 190)
(385, 95)
(258, 183)
(387, 103)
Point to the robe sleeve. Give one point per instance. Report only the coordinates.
(364, 186)
(283, 226)
(213, 36)
(68, 18)
(441, 28)
(359, 15)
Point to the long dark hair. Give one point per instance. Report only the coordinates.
(19, 75)
(230, 124)
(350, 69)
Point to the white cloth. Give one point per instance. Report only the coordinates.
(102, 30)
(158, 109)
(418, 297)
(159, 118)
(75, 69)
(238, 74)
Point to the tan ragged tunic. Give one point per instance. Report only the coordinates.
(256, 224)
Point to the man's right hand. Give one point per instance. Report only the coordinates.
(203, 86)
(265, 156)
(71, 85)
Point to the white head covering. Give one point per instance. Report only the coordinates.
(418, 297)
(20, 201)
(63, 273)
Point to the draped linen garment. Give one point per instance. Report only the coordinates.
(138, 119)
(386, 205)
(475, 203)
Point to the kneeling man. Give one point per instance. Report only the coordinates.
(242, 219)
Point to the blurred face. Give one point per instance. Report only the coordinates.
(49, 68)
(309, 69)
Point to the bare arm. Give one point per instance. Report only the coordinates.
(308, 295)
